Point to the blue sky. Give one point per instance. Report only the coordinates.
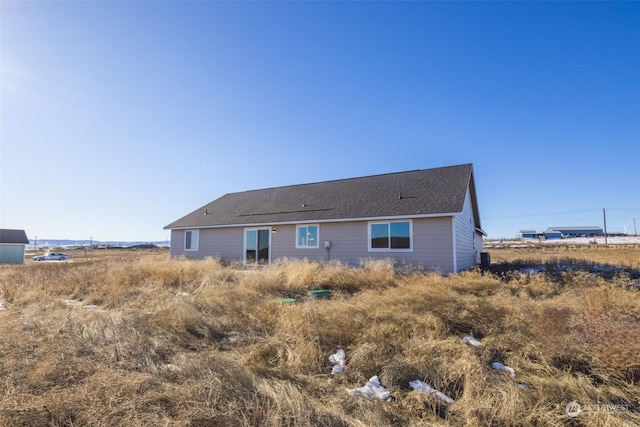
(117, 118)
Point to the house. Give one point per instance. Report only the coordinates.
(424, 217)
(12, 246)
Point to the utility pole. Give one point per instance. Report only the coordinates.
(635, 232)
(604, 216)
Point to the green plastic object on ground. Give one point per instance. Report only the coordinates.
(283, 300)
(320, 293)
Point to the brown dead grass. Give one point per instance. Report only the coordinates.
(626, 255)
(141, 339)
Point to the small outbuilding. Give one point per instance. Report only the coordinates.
(12, 246)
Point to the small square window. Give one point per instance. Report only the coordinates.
(307, 236)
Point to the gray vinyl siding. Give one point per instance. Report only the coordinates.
(11, 253)
(432, 244)
(225, 243)
(466, 236)
(283, 243)
(348, 242)
(177, 242)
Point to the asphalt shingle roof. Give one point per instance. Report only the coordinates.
(419, 192)
(13, 236)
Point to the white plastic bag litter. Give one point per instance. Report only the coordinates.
(422, 386)
(337, 360)
(372, 389)
(501, 367)
(471, 341)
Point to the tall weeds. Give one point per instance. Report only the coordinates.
(146, 339)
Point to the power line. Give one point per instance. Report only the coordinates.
(531, 215)
(541, 214)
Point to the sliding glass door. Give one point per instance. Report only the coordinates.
(256, 246)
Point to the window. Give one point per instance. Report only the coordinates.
(390, 236)
(191, 240)
(307, 236)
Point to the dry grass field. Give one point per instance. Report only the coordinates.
(135, 338)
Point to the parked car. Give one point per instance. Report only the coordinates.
(50, 256)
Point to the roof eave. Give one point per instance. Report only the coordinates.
(316, 221)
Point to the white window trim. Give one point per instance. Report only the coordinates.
(317, 245)
(194, 247)
(370, 249)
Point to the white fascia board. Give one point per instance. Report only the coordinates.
(318, 221)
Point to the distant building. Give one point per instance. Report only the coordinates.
(550, 233)
(530, 234)
(563, 232)
(12, 246)
(578, 231)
